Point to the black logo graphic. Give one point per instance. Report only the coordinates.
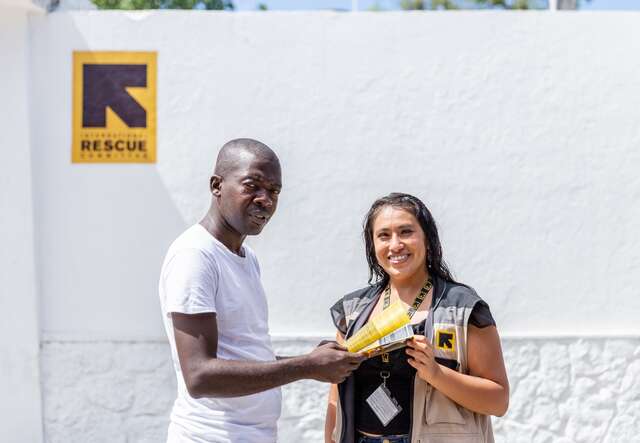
(445, 340)
(104, 86)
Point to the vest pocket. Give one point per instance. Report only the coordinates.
(440, 410)
(446, 422)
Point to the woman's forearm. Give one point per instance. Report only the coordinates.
(330, 423)
(474, 393)
(485, 390)
(330, 420)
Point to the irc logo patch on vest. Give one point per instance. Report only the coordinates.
(114, 107)
(446, 339)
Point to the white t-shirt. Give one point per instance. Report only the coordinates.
(201, 275)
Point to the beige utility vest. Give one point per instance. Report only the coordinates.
(435, 418)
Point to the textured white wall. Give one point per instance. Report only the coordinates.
(20, 406)
(518, 129)
(565, 391)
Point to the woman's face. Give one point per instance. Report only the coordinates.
(399, 243)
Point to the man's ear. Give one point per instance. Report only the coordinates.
(215, 183)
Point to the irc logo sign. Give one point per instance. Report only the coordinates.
(114, 107)
(446, 339)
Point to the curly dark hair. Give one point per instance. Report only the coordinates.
(436, 265)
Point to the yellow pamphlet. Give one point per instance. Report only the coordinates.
(396, 340)
(378, 326)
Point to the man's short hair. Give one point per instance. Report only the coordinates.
(233, 152)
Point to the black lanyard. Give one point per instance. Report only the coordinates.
(411, 311)
(416, 303)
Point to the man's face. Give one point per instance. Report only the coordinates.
(248, 195)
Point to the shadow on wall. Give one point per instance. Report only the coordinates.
(101, 229)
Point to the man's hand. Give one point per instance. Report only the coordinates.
(332, 363)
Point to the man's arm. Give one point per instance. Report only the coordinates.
(205, 375)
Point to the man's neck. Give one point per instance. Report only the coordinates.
(221, 230)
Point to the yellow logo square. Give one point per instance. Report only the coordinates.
(446, 339)
(114, 107)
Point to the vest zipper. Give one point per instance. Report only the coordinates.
(413, 389)
(348, 333)
(434, 304)
(343, 416)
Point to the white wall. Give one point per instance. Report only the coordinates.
(518, 130)
(20, 405)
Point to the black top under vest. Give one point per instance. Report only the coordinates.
(367, 379)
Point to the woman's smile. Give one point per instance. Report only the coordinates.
(398, 259)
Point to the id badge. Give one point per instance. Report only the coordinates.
(383, 405)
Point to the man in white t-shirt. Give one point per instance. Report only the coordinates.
(215, 312)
